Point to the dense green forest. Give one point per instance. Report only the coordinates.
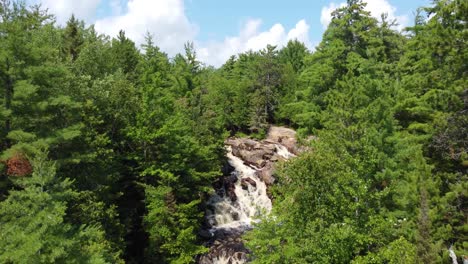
(109, 150)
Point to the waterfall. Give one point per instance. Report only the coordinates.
(240, 203)
(252, 199)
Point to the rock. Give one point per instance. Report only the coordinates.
(205, 234)
(244, 185)
(235, 216)
(236, 151)
(231, 179)
(240, 256)
(260, 163)
(227, 168)
(266, 174)
(274, 133)
(284, 136)
(252, 152)
(275, 158)
(231, 193)
(246, 181)
(251, 182)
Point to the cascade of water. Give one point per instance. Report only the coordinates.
(252, 199)
(229, 215)
(283, 151)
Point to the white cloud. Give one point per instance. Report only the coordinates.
(167, 22)
(326, 17)
(250, 38)
(63, 9)
(165, 19)
(376, 7)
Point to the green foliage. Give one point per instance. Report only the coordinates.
(171, 226)
(137, 139)
(34, 228)
(379, 185)
(73, 38)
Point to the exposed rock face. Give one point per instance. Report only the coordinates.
(225, 244)
(225, 247)
(284, 136)
(263, 154)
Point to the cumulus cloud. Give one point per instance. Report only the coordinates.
(376, 7)
(251, 38)
(63, 9)
(164, 19)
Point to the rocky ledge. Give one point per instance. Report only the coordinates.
(263, 154)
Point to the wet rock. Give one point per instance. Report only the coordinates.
(231, 179)
(260, 163)
(246, 181)
(227, 169)
(205, 234)
(235, 216)
(231, 193)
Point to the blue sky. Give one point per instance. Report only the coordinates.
(219, 28)
(229, 15)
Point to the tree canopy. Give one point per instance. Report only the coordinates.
(109, 151)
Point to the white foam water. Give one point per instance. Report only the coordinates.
(251, 202)
(228, 260)
(283, 151)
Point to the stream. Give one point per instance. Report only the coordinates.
(240, 199)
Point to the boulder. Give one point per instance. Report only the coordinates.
(246, 181)
(231, 193)
(284, 136)
(250, 151)
(266, 174)
(275, 133)
(205, 234)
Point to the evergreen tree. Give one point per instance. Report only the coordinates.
(73, 38)
(34, 223)
(125, 55)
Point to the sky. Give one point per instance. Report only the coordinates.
(219, 28)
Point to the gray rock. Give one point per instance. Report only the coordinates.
(205, 234)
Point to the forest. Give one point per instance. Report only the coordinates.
(108, 150)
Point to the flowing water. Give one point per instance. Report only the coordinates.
(252, 202)
(252, 199)
(283, 151)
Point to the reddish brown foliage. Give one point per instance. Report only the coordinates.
(18, 165)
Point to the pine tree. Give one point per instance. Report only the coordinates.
(73, 38)
(34, 223)
(125, 55)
